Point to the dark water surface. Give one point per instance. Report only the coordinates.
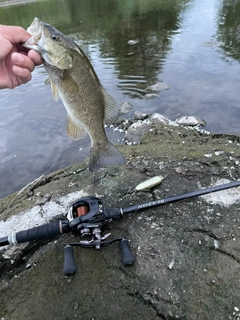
(192, 45)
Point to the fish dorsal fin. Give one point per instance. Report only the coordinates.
(55, 92)
(74, 130)
(111, 108)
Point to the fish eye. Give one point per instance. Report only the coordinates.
(54, 38)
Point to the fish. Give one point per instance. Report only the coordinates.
(74, 80)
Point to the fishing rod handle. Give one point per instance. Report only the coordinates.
(69, 267)
(46, 231)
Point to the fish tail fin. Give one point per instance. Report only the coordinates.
(104, 155)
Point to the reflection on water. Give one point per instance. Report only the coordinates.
(228, 28)
(192, 45)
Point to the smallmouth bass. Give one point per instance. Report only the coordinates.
(74, 80)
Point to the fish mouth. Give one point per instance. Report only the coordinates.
(35, 30)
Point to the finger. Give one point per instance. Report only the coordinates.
(35, 57)
(14, 34)
(23, 61)
(23, 74)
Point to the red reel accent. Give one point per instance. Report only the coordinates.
(82, 210)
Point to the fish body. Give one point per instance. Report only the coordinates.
(74, 80)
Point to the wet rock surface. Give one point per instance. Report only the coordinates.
(187, 253)
(190, 121)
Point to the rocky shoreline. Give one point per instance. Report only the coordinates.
(187, 253)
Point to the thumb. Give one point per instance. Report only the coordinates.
(14, 34)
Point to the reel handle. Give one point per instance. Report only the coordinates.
(70, 267)
(127, 257)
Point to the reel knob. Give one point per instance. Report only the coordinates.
(127, 256)
(70, 267)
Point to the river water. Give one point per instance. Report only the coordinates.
(192, 45)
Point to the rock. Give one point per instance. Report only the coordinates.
(218, 153)
(179, 170)
(159, 86)
(151, 95)
(124, 124)
(138, 115)
(132, 42)
(157, 118)
(125, 108)
(41, 200)
(136, 128)
(187, 253)
(208, 155)
(136, 131)
(190, 121)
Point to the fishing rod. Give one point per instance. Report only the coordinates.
(88, 217)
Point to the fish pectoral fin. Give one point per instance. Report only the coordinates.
(47, 81)
(111, 111)
(74, 130)
(55, 92)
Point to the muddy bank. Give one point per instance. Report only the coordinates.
(187, 253)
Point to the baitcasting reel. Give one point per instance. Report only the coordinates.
(88, 218)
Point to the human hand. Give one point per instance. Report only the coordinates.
(16, 62)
